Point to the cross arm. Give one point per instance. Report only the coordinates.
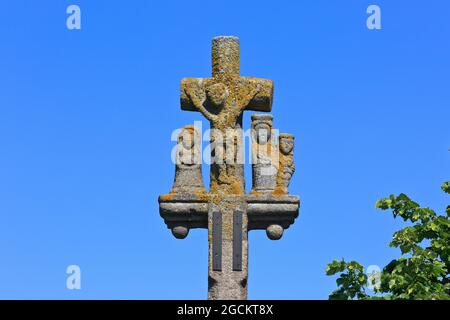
(256, 94)
(191, 93)
(193, 96)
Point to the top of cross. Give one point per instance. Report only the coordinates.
(226, 94)
(225, 56)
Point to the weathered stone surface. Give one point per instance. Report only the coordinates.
(188, 168)
(228, 284)
(286, 167)
(264, 154)
(222, 100)
(185, 210)
(274, 231)
(266, 209)
(180, 231)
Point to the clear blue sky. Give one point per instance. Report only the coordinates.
(86, 118)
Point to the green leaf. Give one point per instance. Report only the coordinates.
(446, 187)
(421, 272)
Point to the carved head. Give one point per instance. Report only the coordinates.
(263, 132)
(286, 143)
(217, 94)
(262, 127)
(187, 137)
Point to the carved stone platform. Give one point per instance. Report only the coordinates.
(182, 212)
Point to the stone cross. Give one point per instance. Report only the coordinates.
(226, 210)
(222, 100)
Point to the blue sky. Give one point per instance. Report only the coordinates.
(86, 118)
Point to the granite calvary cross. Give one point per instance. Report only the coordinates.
(226, 210)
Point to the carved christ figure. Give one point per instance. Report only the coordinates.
(222, 110)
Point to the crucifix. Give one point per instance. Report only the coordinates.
(226, 210)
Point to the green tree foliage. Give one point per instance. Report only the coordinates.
(422, 270)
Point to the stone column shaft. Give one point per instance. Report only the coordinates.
(228, 284)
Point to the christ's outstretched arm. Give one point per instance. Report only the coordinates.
(193, 97)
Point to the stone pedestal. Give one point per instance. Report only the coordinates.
(266, 212)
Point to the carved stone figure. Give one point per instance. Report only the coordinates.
(188, 166)
(264, 154)
(286, 166)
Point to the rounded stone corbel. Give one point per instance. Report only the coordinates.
(274, 231)
(180, 232)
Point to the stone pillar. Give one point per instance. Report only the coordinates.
(225, 56)
(225, 281)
